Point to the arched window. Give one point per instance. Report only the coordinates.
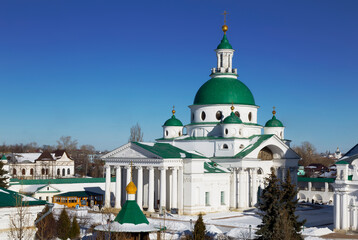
(14, 171)
(226, 131)
(237, 113)
(31, 171)
(250, 116)
(63, 172)
(265, 154)
(23, 171)
(46, 171)
(43, 171)
(68, 171)
(225, 146)
(219, 115)
(203, 115)
(58, 172)
(166, 133)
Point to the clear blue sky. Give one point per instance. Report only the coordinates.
(92, 69)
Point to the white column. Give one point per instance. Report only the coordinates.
(107, 198)
(326, 186)
(118, 187)
(283, 172)
(163, 187)
(128, 175)
(309, 186)
(180, 190)
(233, 189)
(344, 214)
(140, 187)
(354, 217)
(337, 213)
(254, 187)
(175, 188)
(218, 60)
(241, 188)
(151, 190)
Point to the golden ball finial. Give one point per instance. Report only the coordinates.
(225, 28)
(232, 108)
(131, 188)
(274, 112)
(173, 111)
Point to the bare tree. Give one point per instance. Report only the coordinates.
(136, 134)
(19, 222)
(308, 153)
(66, 142)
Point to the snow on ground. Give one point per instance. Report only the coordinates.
(235, 225)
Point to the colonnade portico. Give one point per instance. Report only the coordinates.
(153, 179)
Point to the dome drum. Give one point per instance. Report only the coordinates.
(172, 131)
(247, 113)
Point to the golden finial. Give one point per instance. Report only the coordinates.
(224, 27)
(173, 111)
(131, 187)
(232, 107)
(274, 112)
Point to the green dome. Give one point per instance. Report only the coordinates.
(224, 91)
(3, 157)
(173, 121)
(232, 119)
(274, 122)
(224, 44)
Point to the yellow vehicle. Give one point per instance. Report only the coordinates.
(78, 199)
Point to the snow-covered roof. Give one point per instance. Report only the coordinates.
(126, 227)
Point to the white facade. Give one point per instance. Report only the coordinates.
(219, 164)
(27, 166)
(346, 193)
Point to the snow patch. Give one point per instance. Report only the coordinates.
(313, 231)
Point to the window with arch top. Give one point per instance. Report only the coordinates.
(265, 154)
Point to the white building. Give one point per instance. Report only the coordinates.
(41, 165)
(346, 192)
(216, 162)
(18, 213)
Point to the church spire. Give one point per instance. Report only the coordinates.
(224, 54)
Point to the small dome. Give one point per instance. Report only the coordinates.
(131, 188)
(232, 119)
(274, 122)
(224, 44)
(173, 121)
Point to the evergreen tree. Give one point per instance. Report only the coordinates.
(46, 228)
(199, 229)
(3, 177)
(63, 226)
(289, 203)
(75, 229)
(270, 206)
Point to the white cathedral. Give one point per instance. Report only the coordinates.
(217, 162)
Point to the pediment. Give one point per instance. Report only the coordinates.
(129, 151)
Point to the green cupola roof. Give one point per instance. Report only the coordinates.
(232, 119)
(274, 122)
(3, 157)
(131, 213)
(173, 121)
(224, 91)
(224, 44)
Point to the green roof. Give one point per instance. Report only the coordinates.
(131, 213)
(15, 181)
(273, 122)
(212, 167)
(173, 121)
(342, 162)
(78, 194)
(224, 44)
(252, 147)
(232, 119)
(10, 198)
(166, 150)
(224, 91)
(3, 157)
(307, 179)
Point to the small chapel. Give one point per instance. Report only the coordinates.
(216, 162)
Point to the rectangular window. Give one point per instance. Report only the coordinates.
(47, 198)
(207, 198)
(222, 199)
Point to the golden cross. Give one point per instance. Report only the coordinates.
(224, 17)
(274, 108)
